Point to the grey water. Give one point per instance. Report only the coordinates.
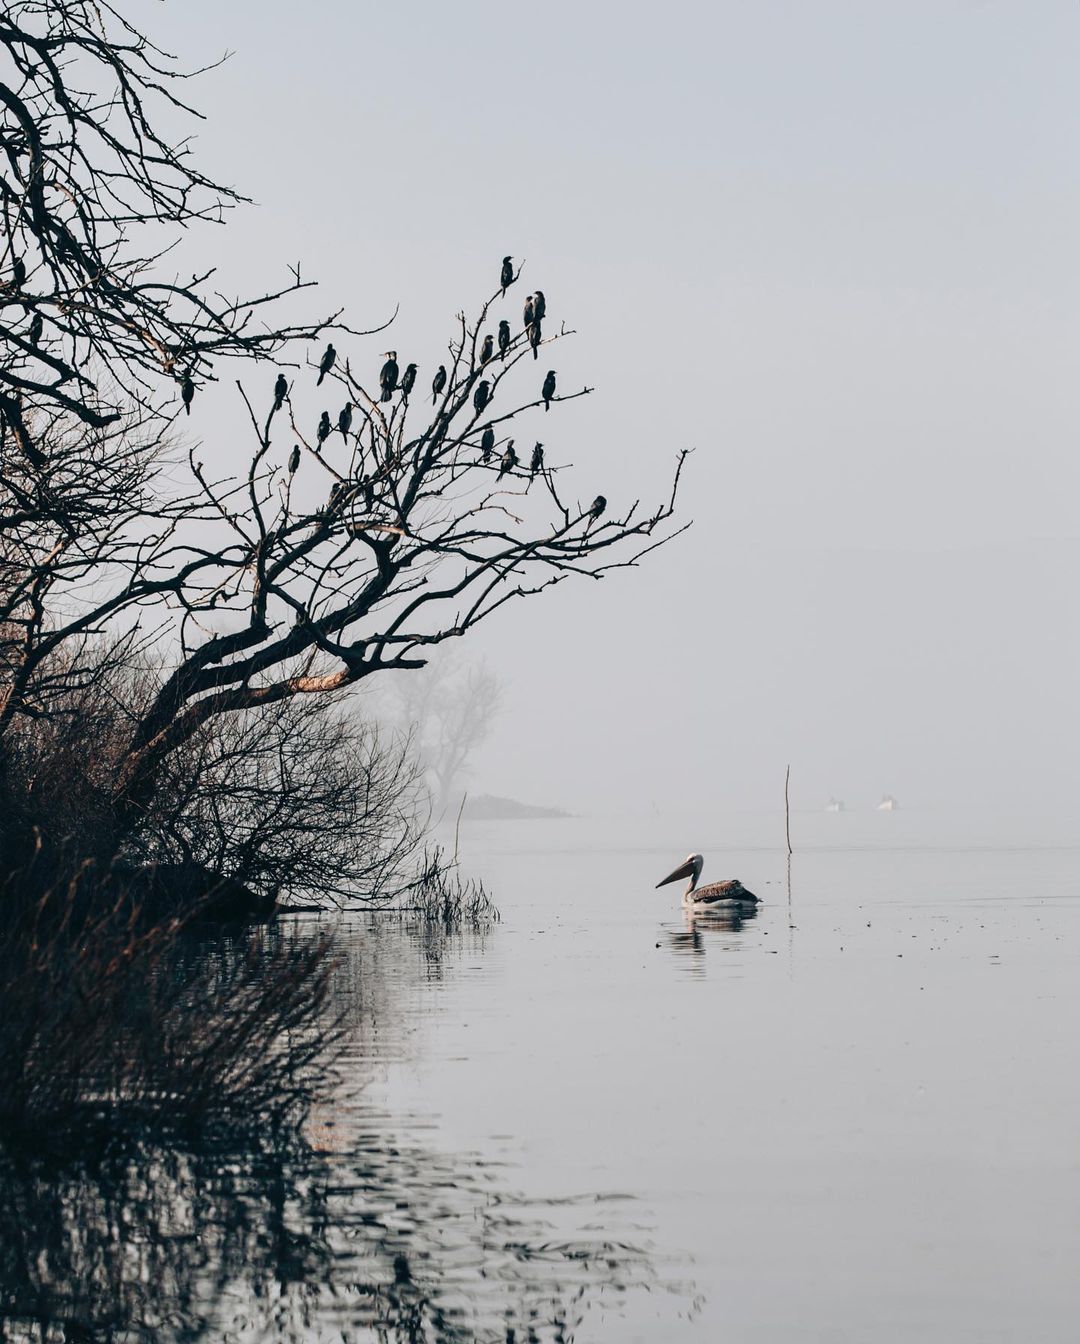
(854, 1115)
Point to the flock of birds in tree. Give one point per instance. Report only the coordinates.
(392, 380)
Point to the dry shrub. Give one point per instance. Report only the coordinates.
(439, 895)
(307, 800)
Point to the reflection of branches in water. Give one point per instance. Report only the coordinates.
(139, 1238)
(270, 1231)
(98, 1017)
(270, 1241)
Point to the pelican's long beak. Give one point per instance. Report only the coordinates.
(684, 870)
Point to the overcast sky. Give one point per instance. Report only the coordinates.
(830, 246)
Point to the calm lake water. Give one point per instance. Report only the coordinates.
(853, 1117)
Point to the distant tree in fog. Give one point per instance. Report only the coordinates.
(449, 708)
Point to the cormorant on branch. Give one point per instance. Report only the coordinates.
(187, 393)
(323, 432)
(530, 311)
(509, 460)
(549, 389)
(438, 383)
(481, 396)
(487, 443)
(37, 326)
(281, 391)
(487, 349)
(389, 375)
(369, 493)
(597, 507)
(535, 337)
(504, 337)
(294, 459)
(539, 306)
(408, 379)
(18, 267)
(326, 363)
(537, 463)
(506, 277)
(344, 420)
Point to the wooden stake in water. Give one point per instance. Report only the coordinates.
(787, 809)
(787, 832)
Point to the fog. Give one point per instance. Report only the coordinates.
(831, 248)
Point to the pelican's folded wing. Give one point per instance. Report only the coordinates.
(731, 890)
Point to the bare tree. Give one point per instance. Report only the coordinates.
(448, 709)
(367, 527)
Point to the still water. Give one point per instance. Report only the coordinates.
(854, 1116)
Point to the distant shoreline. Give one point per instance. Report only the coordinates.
(489, 807)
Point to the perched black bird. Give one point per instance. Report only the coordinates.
(537, 463)
(37, 326)
(187, 393)
(539, 306)
(408, 379)
(549, 389)
(336, 491)
(530, 311)
(509, 460)
(369, 493)
(487, 349)
(482, 395)
(597, 507)
(281, 391)
(536, 335)
(438, 383)
(344, 420)
(504, 337)
(389, 376)
(326, 363)
(487, 443)
(506, 278)
(323, 432)
(294, 459)
(18, 267)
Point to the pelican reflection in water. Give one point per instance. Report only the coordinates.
(700, 921)
(731, 893)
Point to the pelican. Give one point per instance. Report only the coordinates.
(731, 892)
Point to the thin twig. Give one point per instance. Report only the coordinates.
(457, 827)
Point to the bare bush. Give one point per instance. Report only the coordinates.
(304, 799)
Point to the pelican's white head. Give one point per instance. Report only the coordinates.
(690, 867)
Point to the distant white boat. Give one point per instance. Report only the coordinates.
(888, 804)
(834, 805)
